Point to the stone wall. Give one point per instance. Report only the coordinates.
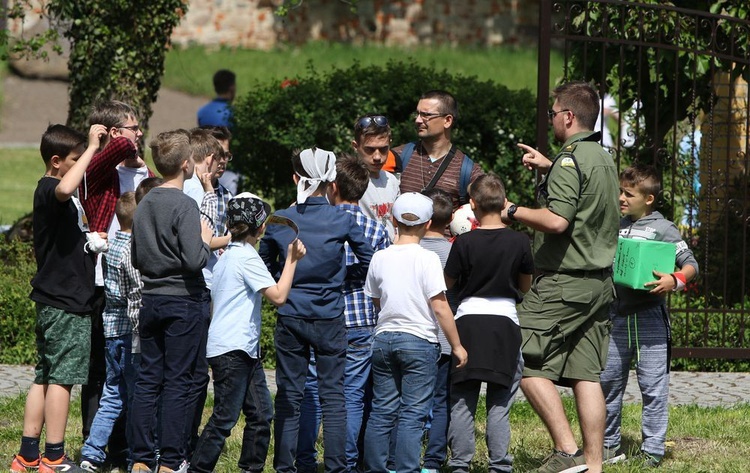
(252, 24)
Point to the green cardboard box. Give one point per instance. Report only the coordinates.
(636, 260)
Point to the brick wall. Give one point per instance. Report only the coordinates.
(252, 24)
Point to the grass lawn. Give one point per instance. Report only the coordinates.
(20, 169)
(191, 69)
(698, 440)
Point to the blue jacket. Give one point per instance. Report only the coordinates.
(319, 278)
(216, 112)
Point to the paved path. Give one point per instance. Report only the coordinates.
(703, 389)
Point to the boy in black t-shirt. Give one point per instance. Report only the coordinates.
(63, 290)
(493, 265)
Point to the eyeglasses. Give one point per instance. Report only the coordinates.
(551, 113)
(364, 122)
(427, 116)
(226, 156)
(133, 128)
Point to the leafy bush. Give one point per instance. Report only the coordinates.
(268, 327)
(320, 110)
(709, 326)
(17, 314)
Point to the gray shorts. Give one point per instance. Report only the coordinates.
(63, 344)
(565, 326)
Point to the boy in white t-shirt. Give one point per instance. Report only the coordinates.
(405, 282)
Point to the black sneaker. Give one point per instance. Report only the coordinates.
(61, 464)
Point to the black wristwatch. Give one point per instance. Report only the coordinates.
(512, 212)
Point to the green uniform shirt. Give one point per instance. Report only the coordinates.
(582, 187)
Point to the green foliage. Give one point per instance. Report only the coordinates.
(723, 247)
(17, 314)
(25, 46)
(673, 82)
(713, 328)
(268, 327)
(118, 49)
(320, 109)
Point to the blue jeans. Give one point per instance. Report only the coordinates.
(437, 440)
(357, 388)
(358, 393)
(171, 331)
(294, 338)
(309, 422)
(113, 402)
(239, 386)
(404, 368)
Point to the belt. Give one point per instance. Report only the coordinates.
(582, 273)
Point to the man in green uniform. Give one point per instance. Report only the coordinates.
(564, 318)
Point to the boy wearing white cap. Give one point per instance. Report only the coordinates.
(233, 349)
(313, 316)
(405, 281)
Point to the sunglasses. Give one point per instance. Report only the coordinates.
(379, 121)
(551, 113)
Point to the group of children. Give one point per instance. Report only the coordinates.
(184, 281)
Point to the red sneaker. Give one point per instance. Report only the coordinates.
(21, 465)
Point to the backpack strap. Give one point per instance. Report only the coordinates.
(403, 159)
(463, 183)
(467, 165)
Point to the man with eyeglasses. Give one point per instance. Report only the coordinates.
(565, 316)
(115, 169)
(372, 142)
(434, 161)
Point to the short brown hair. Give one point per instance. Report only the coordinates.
(145, 186)
(203, 143)
(352, 177)
(580, 98)
(170, 149)
(221, 133)
(442, 207)
(111, 114)
(448, 103)
(125, 209)
(643, 177)
(488, 192)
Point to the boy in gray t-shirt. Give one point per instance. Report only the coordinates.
(170, 247)
(640, 322)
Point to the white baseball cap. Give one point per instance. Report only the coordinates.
(412, 209)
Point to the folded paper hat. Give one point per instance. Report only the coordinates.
(412, 208)
(249, 209)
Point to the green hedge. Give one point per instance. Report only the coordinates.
(320, 109)
(17, 314)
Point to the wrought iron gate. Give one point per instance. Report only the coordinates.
(673, 79)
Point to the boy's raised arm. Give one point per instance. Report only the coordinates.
(277, 294)
(72, 179)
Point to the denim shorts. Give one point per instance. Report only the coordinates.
(63, 344)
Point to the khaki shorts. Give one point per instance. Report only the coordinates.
(565, 326)
(63, 344)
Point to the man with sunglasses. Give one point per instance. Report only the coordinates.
(565, 316)
(434, 161)
(372, 142)
(115, 169)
